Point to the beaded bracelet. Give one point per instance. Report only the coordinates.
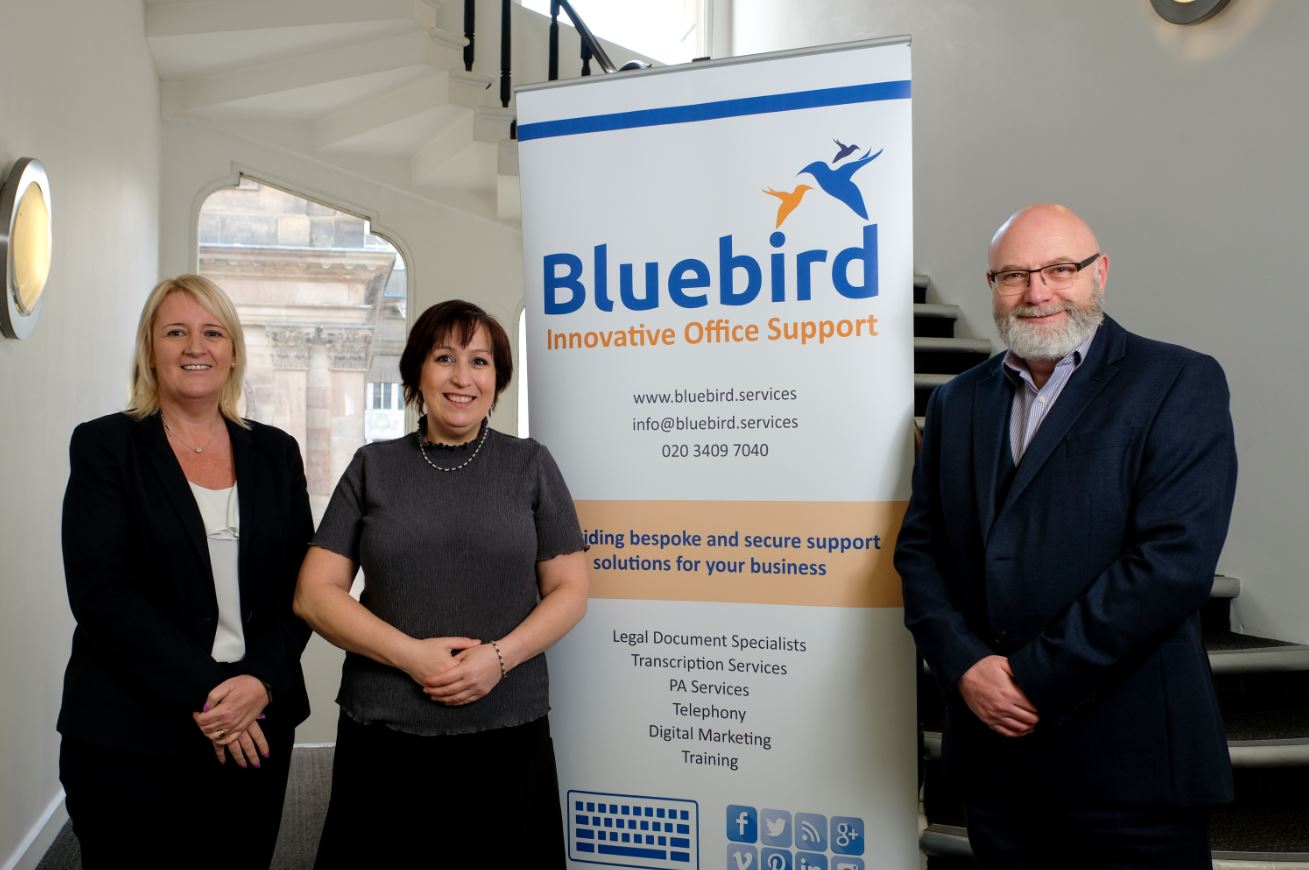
(495, 646)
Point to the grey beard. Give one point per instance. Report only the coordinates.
(1029, 341)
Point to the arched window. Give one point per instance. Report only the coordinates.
(322, 302)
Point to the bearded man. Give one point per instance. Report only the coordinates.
(1069, 504)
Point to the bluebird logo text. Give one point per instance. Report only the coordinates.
(737, 278)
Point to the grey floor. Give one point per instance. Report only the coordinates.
(302, 817)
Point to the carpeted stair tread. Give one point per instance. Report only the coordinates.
(1240, 828)
(1228, 641)
(1278, 723)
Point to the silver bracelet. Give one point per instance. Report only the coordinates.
(495, 646)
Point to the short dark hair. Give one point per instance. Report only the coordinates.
(460, 319)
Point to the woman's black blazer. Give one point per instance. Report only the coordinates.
(137, 565)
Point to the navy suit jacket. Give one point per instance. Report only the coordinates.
(141, 588)
(1088, 574)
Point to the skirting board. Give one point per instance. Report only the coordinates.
(33, 848)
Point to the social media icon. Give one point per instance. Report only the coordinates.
(742, 824)
(847, 835)
(775, 859)
(742, 857)
(810, 861)
(776, 827)
(811, 832)
(842, 863)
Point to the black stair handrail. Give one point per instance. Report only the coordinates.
(591, 47)
(470, 34)
(504, 53)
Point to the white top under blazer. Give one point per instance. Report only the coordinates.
(220, 512)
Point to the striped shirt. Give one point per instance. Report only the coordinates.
(1030, 404)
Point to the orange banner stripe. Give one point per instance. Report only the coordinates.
(823, 554)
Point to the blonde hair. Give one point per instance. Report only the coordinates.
(145, 388)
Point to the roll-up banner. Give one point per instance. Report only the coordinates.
(719, 285)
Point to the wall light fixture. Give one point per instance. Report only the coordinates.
(25, 246)
(1188, 11)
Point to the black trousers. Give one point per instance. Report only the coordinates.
(183, 810)
(1034, 837)
(487, 799)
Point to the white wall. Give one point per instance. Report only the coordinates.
(1184, 148)
(448, 254)
(78, 91)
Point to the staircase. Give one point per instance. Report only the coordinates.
(377, 89)
(938, 355)
(1262, 685)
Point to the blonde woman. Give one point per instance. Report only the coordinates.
(184, 527)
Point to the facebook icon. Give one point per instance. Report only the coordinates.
(742, 824)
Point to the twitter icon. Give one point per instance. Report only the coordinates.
(776, 826)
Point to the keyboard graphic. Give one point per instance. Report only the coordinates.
(625, 830)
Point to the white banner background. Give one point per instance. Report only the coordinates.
(822, 657)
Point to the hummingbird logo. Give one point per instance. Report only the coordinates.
(837, 181)
(844, 152)
(789, 201)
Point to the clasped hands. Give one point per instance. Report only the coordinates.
(989, 690)
(230, 720)
(453, 670)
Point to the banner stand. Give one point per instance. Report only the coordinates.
(719, 278)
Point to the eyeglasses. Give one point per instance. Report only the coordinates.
(1056, 276)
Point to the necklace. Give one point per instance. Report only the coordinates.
(173, 432)
(422, 447)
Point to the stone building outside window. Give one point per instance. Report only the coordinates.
(322, 302)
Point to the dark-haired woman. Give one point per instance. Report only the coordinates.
(184, 528)
(472, 561)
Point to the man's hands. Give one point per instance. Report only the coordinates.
(989, 690)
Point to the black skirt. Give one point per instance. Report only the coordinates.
(487, 799)
(179, 810)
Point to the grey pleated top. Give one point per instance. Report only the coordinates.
(449, 554)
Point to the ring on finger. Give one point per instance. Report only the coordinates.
(222, 732)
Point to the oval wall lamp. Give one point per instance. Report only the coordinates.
(1187, 11)
(25, 245)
